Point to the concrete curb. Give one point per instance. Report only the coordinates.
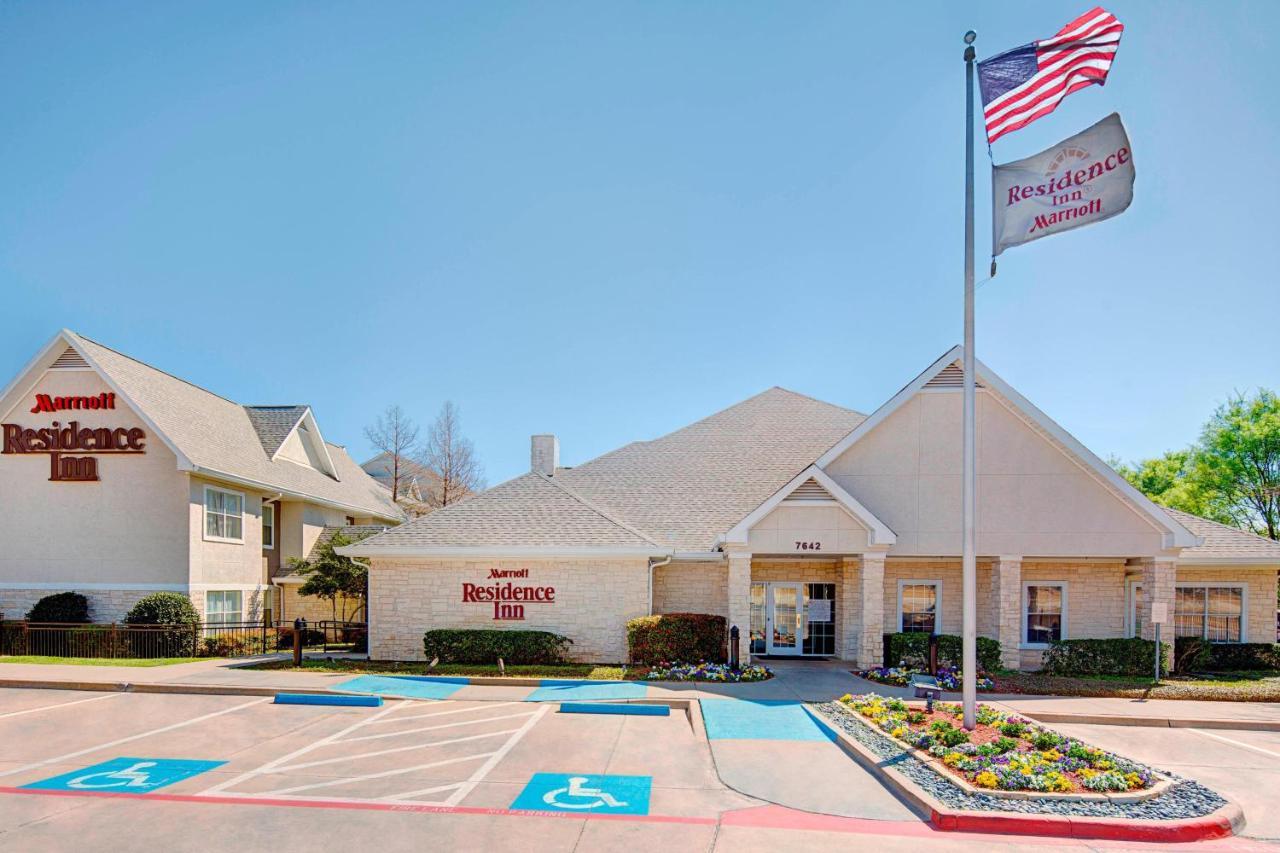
(148, 687)
(1226, 821)
(1153, 722)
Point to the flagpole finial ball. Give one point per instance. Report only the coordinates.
(969, 37)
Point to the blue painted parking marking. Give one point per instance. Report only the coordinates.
(773, 719)
(321, 699)
(584, 794)
(627, 709)
(387, 685)
(127, 775)
(587, 691)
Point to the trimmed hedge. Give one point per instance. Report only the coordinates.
(677, 637)
(61, 607)
(486, 645)
(166, 608)
(1116, 656)
(1192, 654)
(912, 648)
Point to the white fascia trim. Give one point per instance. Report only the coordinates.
(480, 552)
(76, 586)
(73, 340)
(880, 533)
(288, 580)
(317, 438)
(1221, 562)
(240, 587)
(212, 474)
(1174, 534)
(41, 361)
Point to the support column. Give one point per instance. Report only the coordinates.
(870, 587)
(850, 608)
(1006, 608)
(1159, 580)
(740, 601)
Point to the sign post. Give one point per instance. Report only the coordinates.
(969, 561)
(1159, 616)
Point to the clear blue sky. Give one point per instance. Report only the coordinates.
(605, 220)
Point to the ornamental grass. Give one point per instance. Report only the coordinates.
(1003, 752)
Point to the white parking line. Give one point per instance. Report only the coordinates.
(340, 759)
(131, 738)
(485, 707)
(58, 705)
(483, 771)
(380, 775)
(435, 728)
(1237, 743)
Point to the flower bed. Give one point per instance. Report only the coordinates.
(1003, 752)
(898, 676)
(706, 672)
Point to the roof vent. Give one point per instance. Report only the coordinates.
(951, 376)
(544, 454)
(69, 360)
(809, 490)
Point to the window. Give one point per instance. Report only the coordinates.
(223, 515)
(268, 526)
(1044, 613)
(222, 606)
(1214, 613)
(918, 606)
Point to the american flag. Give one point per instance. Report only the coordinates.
(1023, 84)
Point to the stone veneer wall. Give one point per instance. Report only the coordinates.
(691, 587)
(1260, 595)
(1095, 600)
(309, 607)
(594, 601)
(105, 605)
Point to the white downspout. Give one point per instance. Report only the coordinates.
(652, 566)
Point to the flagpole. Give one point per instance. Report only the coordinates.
(969, 561)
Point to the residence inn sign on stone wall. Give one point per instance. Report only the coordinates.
(61, 440)
(508, 599)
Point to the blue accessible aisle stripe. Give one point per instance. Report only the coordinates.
(561, 691)
(412, 688)
(318, 699)
(770, 719)
(624, 709)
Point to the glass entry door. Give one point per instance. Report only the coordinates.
(785, 613)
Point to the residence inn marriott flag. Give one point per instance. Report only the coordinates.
(1083, 179)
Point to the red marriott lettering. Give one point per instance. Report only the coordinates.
(507, 598)
(47, 403)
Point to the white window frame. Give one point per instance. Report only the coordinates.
(1244, 609)
(1022, 611)
(937, 598)
(1131, 606)
(239, 613)
(268, 511)
(204, 516)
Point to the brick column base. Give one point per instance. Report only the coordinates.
(870, 587)
(740, 602)
(1006, 592)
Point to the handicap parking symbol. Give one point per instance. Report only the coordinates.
(127, 775)
(584, 794)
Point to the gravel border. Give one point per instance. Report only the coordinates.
(1186, 799)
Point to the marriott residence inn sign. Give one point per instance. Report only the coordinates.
(72, 448)
(1081, 180)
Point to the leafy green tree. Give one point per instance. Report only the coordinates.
(1238, 459)
(333, 577)
(1169, 480)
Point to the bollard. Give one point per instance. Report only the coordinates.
(933, 654)
(299, 628)
(733, 647)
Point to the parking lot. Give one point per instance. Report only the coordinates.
(138, 771)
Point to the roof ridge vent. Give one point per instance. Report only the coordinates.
(951, 376)
(69, 360)
(809, 490)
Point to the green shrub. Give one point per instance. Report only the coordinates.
(1130, 656)
(485, 645)
(1004, 744)
(164, 608)
(912, 648)
(1046, 740)
(677, 637)
(60, 607)
(1192, 654)
(1013, 730)
(310, 637)
(231, 645)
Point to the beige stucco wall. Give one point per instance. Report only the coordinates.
(795, 528)
(594, 601)
(1032, 497)
(124, 529)
(1260, 583)
(311, 608)
(301, 524)
(214, 562)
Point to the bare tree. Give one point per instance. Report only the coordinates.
(396, 436)
(453, 459)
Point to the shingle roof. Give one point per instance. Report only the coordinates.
(218, 435)
(1222, 542)
(273, 424)
(680, 491)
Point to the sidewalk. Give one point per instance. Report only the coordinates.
(810, 681)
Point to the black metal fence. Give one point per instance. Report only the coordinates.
(221, 639)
